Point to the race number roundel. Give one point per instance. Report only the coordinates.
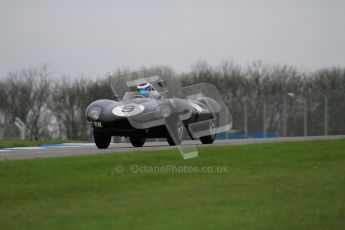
(127, 110)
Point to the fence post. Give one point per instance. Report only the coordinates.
(245, 120)
(264, 117)
(305, 117)
(326, 114)
(285, 116)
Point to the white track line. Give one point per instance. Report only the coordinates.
(5, 150)
(24, 148)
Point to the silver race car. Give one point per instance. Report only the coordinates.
(150, 103)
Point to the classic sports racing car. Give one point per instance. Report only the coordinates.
(154, 105)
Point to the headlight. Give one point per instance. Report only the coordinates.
(95, 112)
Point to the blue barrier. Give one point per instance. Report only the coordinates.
(240, 135)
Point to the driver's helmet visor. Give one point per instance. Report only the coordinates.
(144, 89)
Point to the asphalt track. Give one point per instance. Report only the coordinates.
(76, 149)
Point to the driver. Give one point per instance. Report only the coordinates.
(145, 89)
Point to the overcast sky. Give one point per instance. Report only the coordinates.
(96, 37)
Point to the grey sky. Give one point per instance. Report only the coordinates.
(96, 37)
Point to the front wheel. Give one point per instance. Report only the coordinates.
(178, 134)
(102, 140)
(137, 141)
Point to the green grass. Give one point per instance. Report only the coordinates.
(22, 143)
(293, 185)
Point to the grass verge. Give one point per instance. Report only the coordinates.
(292, 185)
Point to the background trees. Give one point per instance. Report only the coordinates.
(261, 98)
(25, 95)
(256, 94)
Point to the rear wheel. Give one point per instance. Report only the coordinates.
(102, 140)
(210, 138)
(137, 141)
(178, 132)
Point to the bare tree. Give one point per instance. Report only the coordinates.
(38, 120)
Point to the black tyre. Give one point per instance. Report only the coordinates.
(137, 141)
(179, 134)
(102, 140)
(171, 142)
(210, 138)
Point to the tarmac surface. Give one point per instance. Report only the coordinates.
(76, 149)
